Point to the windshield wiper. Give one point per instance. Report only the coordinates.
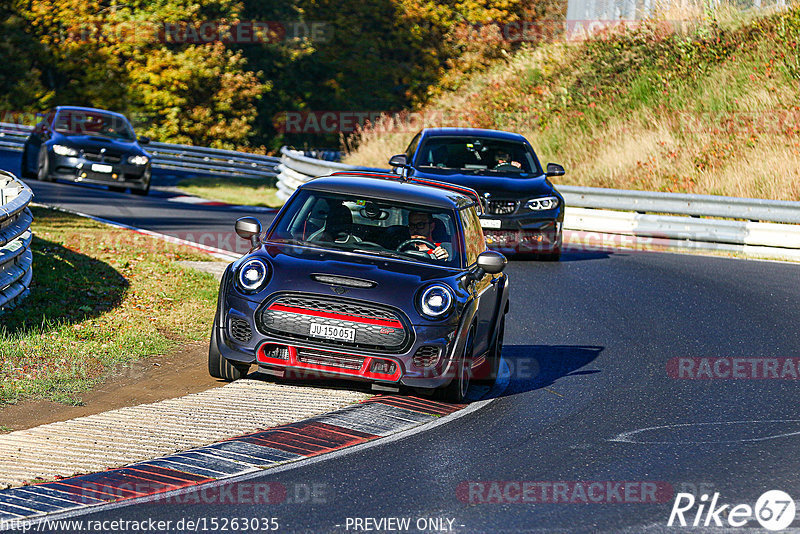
(380, 253)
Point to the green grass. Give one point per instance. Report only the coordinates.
(100, 297)
(240, 191)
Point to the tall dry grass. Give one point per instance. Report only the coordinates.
(711, 109)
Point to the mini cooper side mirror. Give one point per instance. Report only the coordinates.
(554, 169)
(491, 262)
(144, 140)
(249, 228)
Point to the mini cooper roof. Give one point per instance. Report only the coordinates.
(393, 187)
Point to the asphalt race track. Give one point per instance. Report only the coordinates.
(601, 413)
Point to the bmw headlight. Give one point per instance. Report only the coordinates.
(436, 301)
(543, 203)
(63, 150)
(253, 275)
(138, 160)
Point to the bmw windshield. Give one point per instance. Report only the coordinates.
(476, 155)
(370, 226)
(93, 123)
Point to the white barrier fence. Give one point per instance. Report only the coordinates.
(176, 157)
(754, 227)
(16, 258)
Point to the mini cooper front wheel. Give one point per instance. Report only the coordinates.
(221, 367)
(456, 391)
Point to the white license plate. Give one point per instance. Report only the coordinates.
(338, 333)
(99, 167)
(490, 223)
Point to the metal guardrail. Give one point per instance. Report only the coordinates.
(177, 157)
(758, 231)
(16, 258)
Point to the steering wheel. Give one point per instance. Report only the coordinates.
(506, 167)
(405, 244)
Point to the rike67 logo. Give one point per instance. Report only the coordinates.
(774, 510)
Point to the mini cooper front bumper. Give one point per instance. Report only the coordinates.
(277, 336)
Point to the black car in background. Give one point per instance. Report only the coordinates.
(87, 145)
(366, 277)
(523, 212)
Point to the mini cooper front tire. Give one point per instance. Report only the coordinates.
(221, 367)
(456, 391)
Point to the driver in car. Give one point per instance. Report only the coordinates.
(420, 225)
(504, 158)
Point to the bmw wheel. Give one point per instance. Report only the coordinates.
(43, 169)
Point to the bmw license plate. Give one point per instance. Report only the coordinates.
(490, 223)
(338, 333)
(99, 167)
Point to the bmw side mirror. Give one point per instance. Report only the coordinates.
(491, 262)
(399, 160)
(144, 140)
(249, 228)
(554, 169)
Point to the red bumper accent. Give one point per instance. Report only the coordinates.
(294, 363)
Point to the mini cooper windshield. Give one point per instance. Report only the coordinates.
(370, 226)
(476, 155)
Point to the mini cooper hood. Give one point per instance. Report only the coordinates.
(496, 184)
(397, 282)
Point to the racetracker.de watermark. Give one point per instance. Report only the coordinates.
(564, 492)
(533, 31)
(733, 368)
(203, 32)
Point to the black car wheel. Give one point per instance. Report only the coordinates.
(43, 169)
(552, 256)
(495, 354)
(25, 172)
(456, 391)
(117, 188)
(141, 192)
(219, 366)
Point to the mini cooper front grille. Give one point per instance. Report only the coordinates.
(501, 207)
(103, 157)
(357, 324)
(330, 359)
(426, 356)
(240, 330)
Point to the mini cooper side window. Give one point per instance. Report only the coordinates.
(474, 241)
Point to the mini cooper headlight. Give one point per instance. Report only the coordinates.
(543, 203)
(253, 275)
(63, 150)
(436, 301)
(138, 160)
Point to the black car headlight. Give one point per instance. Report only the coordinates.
(436, 301)
(542, 203)
(64, 150)
(138, 160)
(253, 275)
